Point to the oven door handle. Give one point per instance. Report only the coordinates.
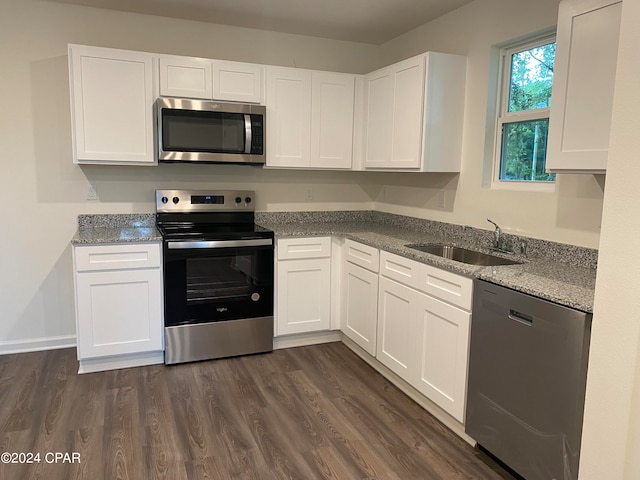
(256, 242)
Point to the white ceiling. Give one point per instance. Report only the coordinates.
(369, 21)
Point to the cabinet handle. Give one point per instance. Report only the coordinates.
(521, 317)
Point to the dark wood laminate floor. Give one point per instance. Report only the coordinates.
(305, 413)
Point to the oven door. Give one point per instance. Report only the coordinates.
(213, 281)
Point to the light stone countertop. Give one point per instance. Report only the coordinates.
(569, 282)
(116, 228)
(560, 273)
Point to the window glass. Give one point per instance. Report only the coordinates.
(531, 78)
(524, 146)
(523, 116)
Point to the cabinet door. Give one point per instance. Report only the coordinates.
(112, 106)
(332, 107)
(582, 101)
(408, 101)
(237, 82)
(442, 351)
(378, 118)
(393, 121)
(119, 312)
(395, 342)
(288, 103)
(185, 77)
(303, 295)
(360, 306)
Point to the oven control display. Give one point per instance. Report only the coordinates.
(207, 200)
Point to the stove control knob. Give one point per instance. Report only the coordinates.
(238, 200)
(247, 200)
(176, 200)
(164, 199)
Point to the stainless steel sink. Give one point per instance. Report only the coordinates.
(463, 255)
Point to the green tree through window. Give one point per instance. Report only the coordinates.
(524, 120)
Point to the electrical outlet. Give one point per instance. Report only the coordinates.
(308, 193)
(442, 199)
(92, 193)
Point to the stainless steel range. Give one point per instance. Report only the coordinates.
(218, 275)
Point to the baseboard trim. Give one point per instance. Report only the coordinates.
(37, 344)
(305, 339)
(100, 364)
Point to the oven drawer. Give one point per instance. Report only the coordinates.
(307, 247)
(117, 257)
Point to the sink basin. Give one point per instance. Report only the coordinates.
(463, 255)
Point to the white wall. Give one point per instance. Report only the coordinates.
(570, 215)
(611, 436)
(44, 192)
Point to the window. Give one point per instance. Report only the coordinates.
(523, 115)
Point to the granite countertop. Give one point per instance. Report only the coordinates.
(564, 274)
(569, 282)
(116, 228)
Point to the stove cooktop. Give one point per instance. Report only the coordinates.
(207, 215)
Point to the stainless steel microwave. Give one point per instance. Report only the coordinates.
(210, 132)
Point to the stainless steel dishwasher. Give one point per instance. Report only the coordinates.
(527, 375)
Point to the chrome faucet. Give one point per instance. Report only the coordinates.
(496, 234)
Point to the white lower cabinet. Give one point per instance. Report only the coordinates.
(303, 285)
(396, 348)
(119, 306)
(422, 338)
(360, 295)
(442, 334)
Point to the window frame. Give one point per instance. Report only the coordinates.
(503, 116)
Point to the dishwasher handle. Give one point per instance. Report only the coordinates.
(520, 317)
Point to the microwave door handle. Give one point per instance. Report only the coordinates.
(247, 134)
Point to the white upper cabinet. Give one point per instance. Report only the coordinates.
(414, 114)
(288, 103)
(238, 82)
(112, 95)
(583, 84)
(332, 97)
(394, 115)
(191, 77)
(185, 77)
(309, 118)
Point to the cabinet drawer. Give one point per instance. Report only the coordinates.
(442, 284)
(307, 247)
(447, 286)
(116, 257)
(400, 269)
(363, 255)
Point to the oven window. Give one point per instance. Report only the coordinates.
(219, 278)
(197, 131)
